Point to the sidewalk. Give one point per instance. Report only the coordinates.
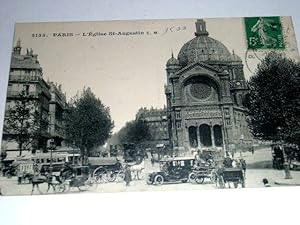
(287, 182)
(295, 181)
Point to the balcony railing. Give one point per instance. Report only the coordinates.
(17, 94)
(24, 77)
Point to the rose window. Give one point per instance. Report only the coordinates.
(200, 90)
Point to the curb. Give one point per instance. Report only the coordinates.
(286, 184)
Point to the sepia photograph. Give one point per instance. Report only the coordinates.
(151, 105)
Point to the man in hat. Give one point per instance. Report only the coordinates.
(127, 177)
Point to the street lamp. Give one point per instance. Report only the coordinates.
(285, 161)
(52, 147)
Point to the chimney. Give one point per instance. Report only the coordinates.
(17, 48)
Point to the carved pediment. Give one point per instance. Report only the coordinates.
(196, 69)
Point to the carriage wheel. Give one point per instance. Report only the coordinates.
(199, 180)
(121, 175)
(62, 187)
(111, 176)
(158, 180)
(100, 175)
(192, 177)
(8, 174)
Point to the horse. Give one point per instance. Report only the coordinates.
(137, 169)
(51, 180)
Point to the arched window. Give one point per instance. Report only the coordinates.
(218, 135)
(193, 137)
(205, 135)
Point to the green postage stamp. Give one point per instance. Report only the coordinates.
(264, 33)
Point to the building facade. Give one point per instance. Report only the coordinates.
(26, 78)
(205, 91)
(156, 120)
(57, 107)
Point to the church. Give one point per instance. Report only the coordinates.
(205, 91)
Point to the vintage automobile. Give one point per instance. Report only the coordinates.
(172, 170)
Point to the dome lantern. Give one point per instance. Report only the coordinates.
(201, 28)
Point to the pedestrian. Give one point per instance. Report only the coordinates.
(19, 175)
(234, 164)
(127, 177)
(0, 192)
(36, 180)
(50, 181)
(227, 162)
(152, 161)
(266, 182)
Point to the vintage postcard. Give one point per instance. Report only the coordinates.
(147, 105)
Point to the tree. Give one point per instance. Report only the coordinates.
(136, 131)
(274, 100)
(88, 122)
(23, 122)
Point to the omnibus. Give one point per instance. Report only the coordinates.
(43, 160)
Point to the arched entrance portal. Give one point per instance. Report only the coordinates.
(205, 135)
(218, 135)
(193, 137)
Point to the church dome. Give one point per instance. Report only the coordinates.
(235, 57)
(172, 61)
(203, 48)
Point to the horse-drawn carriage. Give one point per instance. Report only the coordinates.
(80, 179)
(106, 168)
(110, 169)
(229, 175)
(200, 173)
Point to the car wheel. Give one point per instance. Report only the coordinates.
(149, 180)
(158, 180)
(199, 180)
(192, 177)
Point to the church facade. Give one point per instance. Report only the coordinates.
(205, 92)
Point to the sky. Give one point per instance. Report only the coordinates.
(127, 72)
